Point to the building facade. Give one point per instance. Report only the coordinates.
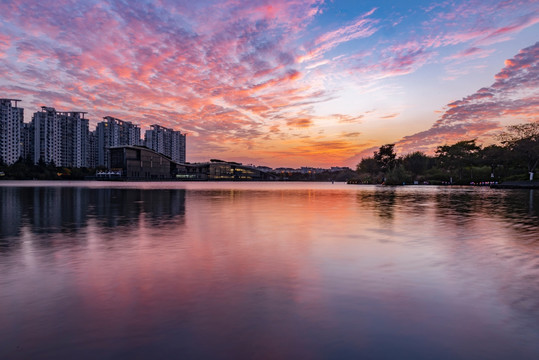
(47, 138)
(59, 137)
(222, 170)
(11, 122)
(92, 149)
(166, 141)
(114, 132)
(137, 162)
(27, 148)
(74, 134)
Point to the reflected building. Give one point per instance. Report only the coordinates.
(10, 212)
(162, 206)
(50, 210)
(46, 210)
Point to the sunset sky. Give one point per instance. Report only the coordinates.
(280, 83)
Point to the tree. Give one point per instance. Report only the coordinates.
(397, 176)
(493, 156)
(386, 157)
(523, 139)
(416, 163)
(370, 167)
(457, 156)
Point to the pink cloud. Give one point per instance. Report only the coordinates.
(224, 71)
(362, 27)
(5, 44)
(390, 116)
(470, 53)
(486, 35)
(503, 33)
(396, 63)
(513, 95)
(139, 59)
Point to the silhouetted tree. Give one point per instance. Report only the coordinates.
(370, 167)
(398, 176)
(386, 157)
(523, 140)
(493, 156)
(457, 156)
(416, 163)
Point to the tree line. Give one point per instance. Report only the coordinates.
(515, 157)
(25, 169)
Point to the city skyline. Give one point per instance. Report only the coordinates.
(281, 83)
(64, 138)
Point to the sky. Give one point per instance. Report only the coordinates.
(280, 82)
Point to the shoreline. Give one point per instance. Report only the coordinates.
(516, 185)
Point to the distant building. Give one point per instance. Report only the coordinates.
(166, 141)
(311, 170)
(339, 168)
(223, 170)
(11, 122)
(285, 170)
(59, 137)
(63, 138)
(27, 148)
(114, 132)
(74, 139)
(264, 168)
(92, 149)
(46, 135)
(141, 163)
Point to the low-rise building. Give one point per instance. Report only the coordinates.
(137, 162)
(141, 163)
(223, 170)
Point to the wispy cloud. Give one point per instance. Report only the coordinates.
(362, 27)
(240, 75)
(513, 95)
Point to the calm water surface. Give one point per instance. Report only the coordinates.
(94, 270)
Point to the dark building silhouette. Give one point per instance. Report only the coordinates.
(11, 122)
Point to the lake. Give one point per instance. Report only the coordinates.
(98, 270)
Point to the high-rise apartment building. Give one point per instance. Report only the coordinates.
(114, 132)
(11, 120)
(166, 141)
(63, 138)
(47, 136)
(27, 140)
(60, 137)
(74, 134)
(92, 149)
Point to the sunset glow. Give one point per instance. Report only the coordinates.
(280, 82)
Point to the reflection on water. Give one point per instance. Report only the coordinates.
(49, 210)
(228, 270)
